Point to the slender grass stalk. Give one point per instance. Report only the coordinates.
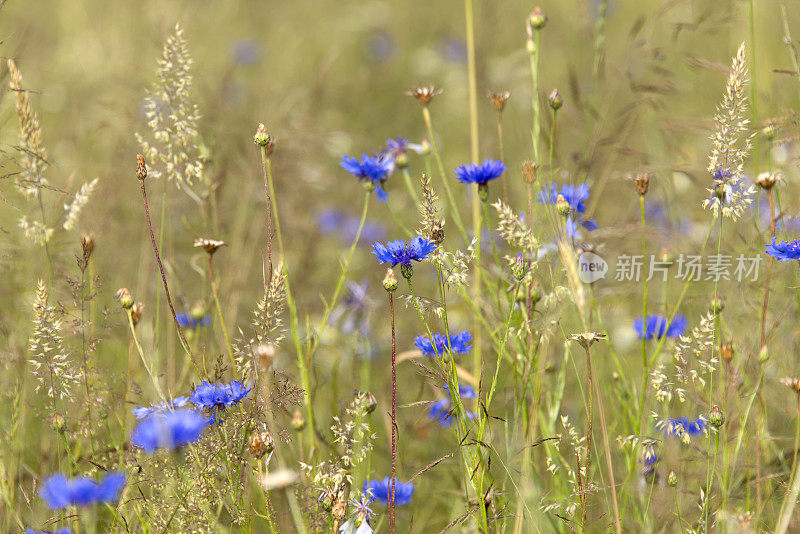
(215, 292)
(145, 363)
(645, 361)
(409, 185)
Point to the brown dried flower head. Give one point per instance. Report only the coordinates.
(141, 168)
(209, 245)
(766, 180)
(499, 100)
(587, 339)
(529, 169)
(87, 243)
(642, 183)
(424, 93)
(260, 443)
(726, 351)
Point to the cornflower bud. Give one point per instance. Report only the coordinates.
(389, 281)
(555, 100)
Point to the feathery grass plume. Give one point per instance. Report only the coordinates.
(730, 195)
(267, 315)
(34, 154)
(73, 209)
(51, 363)
(172, 118)
(513, 230)
(35, 231)
(431, 225)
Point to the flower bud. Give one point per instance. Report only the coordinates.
(555, 100)
(763, 354)
(537, 19)
(401, 160)
(483, 192)
(389, 281)
(58, 423)
(124, 298)
(716, 417)
(768, 132)
(562, 205)
(263, 138)
(425, 147)
(198, 312)
(642, 183)
(298, 421)
(369, 403)
(672, 479)
(518, 268)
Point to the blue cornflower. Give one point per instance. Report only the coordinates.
(374, 169)
(441, 410)
(458, 342)
(29, 530)
(379, 491)
(575, 195)
(571, 227)
(657, 327)
(59, 492)
(472, 173)
(160, 407)
(398, 251)
(188, 320)
(678, 426)
(218, 396)
(784, 251)
(169, 430)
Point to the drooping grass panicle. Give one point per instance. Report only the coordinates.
(732, 144)
(267, 321)
(34, 154)
(49, 358)
(515, 231)
(73, 209)
(173, 145)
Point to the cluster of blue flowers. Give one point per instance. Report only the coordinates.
(398, 251)
(441, 410)
(59, 531)
(60, 492)
(784, 251)
(576, 196)
(459, 343)
(378, 490)
(164, 425)
(657, 326)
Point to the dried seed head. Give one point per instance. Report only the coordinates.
(136, 312)
(793, 383)
(726, 351)
(141, 168)
(265, 355)
(437, 232)
(536, 21)
(339, 510)
(124, 298)
(264, 139)
(529, 169)
(260, 444)
(499, 100)
(555, 100)
(389, 281)
(766, 180)
(424, 93)
(587, 339)
(642, 183)
(58, 423)
(209, 245)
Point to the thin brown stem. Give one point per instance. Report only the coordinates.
(164, 276)
(589, 424)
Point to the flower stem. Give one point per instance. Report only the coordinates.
(394, 422)
(221, 317)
